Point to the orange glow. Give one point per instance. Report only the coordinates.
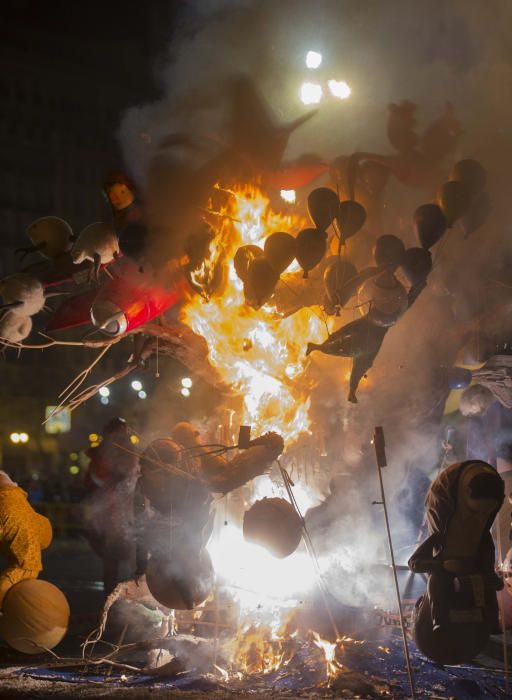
(257, 353)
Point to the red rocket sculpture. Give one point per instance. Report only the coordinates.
(123, 303)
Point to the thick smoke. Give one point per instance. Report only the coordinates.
(424, 51)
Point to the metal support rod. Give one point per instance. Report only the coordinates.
(380, 459)
(502, 611)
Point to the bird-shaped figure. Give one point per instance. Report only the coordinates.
(50, 236)
(14, 328)
(22, 293)
(418, 157)
(97, 243)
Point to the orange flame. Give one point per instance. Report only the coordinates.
(333, 667)
(258, 353)
(259, 650)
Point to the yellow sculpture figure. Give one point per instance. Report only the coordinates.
(23, 534)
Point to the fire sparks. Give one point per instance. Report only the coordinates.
(257, 353)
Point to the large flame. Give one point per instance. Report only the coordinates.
(257, 353)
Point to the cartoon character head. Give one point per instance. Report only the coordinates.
(119, 190)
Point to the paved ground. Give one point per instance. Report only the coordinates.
(71, 565)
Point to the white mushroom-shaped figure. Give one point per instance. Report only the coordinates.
(14, 328)
(98, 243)
(22, 293)
(383, 298)
(50, 236)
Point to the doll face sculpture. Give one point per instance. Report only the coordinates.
(120, 196)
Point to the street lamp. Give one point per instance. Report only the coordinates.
(186, 382)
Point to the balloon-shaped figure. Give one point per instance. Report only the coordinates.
(323, 205)
(280, 249)
(339, 280)
(389, 250)
(454, 618)
(471, 173)
(416, 265)
(311, 247)
(35, 616)
(244, 256)
(50, 236)
(430, 224)
(361, 340)
(274, 524)
(454, 199)
(260, 282)
(350, 217)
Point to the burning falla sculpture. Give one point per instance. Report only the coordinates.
(174, 509)
(453, 620)
(162, 265)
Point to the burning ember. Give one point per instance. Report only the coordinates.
(258, 353)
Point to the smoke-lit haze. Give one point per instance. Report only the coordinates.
(429, 52)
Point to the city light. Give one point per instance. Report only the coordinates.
(73, 455)
(73, 469)
(288, 196)
(339, 89)
(93, 437)
(311, 93)
(134, 439)
(16, 438)
(186, 382)
(185, 391)
(142, 395)
(313, 59)
(104, 391)
(104, 400)
(136, 385)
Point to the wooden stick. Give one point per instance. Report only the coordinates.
(380, 459)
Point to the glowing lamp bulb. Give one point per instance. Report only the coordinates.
(339, 89)
(104, 400)
(14, 437)
(311, 93)
(142, 395)
(185, 391)
(186, 382)
(23, 437)
(288, 196)
(136, 385)
(313, 59)
(104, 391)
